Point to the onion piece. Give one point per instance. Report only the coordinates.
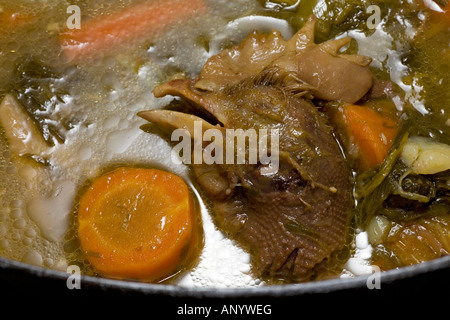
(23, 136)
(378, 229)
(425, 156)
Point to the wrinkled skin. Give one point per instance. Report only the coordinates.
(292, 221)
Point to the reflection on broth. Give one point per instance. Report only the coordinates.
(68, 118)
(100, 100)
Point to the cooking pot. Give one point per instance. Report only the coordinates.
(17, 278)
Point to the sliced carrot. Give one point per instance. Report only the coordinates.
(145, 19)
(371, 132)
(138, 223)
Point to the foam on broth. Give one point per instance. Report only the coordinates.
(39, 201)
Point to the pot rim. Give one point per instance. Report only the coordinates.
(274, 291)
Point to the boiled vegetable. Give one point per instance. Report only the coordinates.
(23, 136)
(145, 19)
(394, 189)
(38, 88)
(371, 132)
(378, 229)
(419, 241)
(426, 156)
(138, 223)
(404, 196)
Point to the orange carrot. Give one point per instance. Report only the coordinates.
(138, 223)
(371, 132)
(144, 19)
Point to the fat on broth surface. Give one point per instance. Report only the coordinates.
(99, 98)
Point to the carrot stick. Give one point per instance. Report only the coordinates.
(371, 132)
(138, 223)
(145, 19)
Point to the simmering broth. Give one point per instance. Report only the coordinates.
(86, 112)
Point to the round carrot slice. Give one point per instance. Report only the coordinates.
(137, 223)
